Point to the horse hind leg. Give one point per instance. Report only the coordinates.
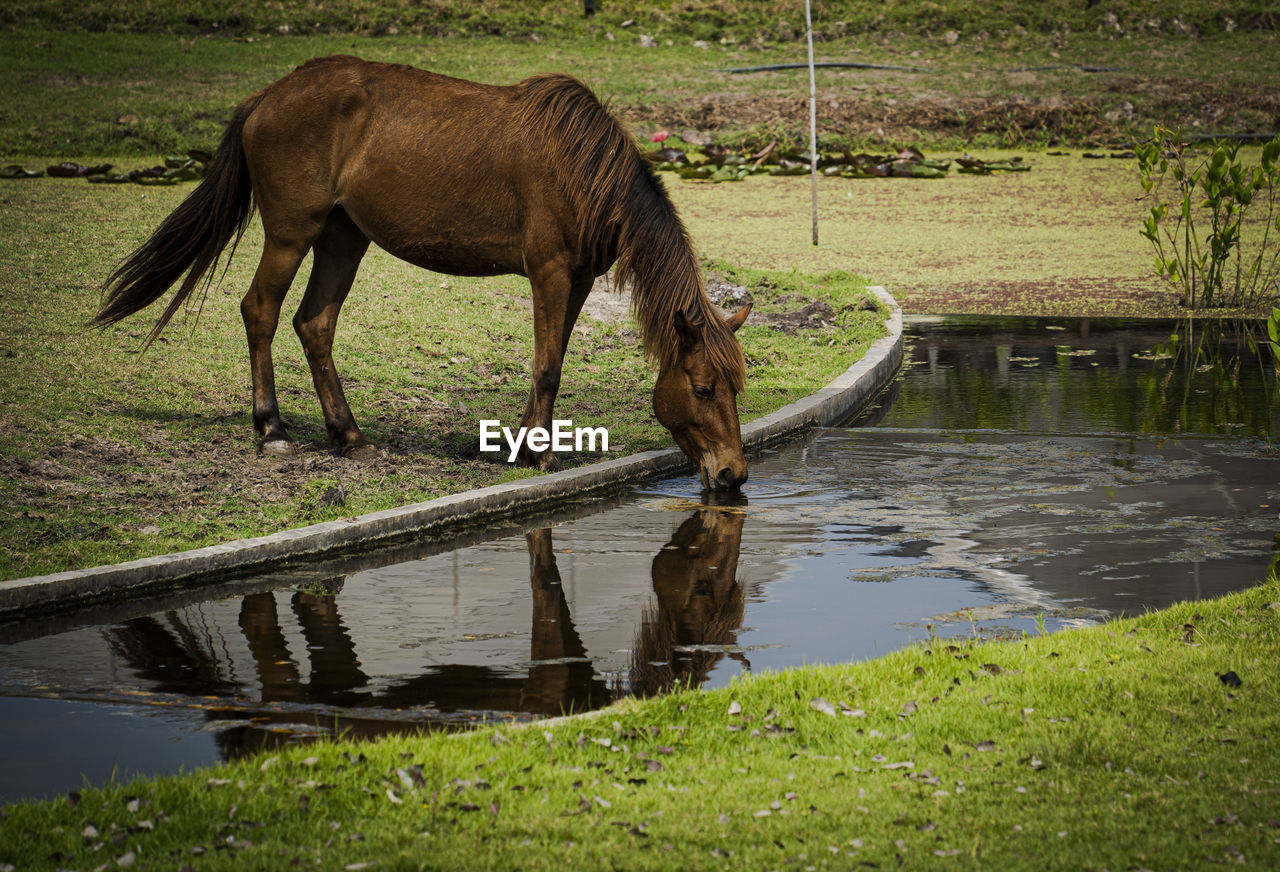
(260, 310)
(336, 257)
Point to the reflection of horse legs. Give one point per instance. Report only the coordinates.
(172, 655)
(555, 687)
(260, 625)
(335, 668)
(700, 605)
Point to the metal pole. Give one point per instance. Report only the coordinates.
(813, 121)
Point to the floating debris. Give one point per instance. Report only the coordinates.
(190, 167)
(721, 164)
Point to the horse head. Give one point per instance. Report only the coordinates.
(696, 398)
(699, 602)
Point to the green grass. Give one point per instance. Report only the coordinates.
(148, 90)
(765, 20)
(1115, 747)
(110, 454)
(1061, 239)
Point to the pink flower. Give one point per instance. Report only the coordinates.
(660, 136)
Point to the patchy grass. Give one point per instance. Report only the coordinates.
(759, 20)
(1061, 239)
(110, 455)
(1145, 742)
(122, 92)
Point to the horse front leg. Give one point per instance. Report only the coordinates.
(545, 385)
(557, 300)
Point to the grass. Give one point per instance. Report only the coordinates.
(1061, 239)
(71, 92)
(111, 455)
(1144, 742)
(763, 20)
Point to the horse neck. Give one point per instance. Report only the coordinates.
(657, 259)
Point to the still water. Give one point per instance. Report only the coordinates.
(1020, 476)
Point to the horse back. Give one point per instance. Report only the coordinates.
(439, 171)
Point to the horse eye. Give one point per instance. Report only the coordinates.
(702, 392)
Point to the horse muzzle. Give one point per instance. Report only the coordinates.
(726, 479)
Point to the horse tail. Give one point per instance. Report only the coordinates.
(191, 240)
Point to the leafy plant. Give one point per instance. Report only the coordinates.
(1235, 261)
(1273, 336)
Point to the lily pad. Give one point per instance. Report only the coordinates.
(70, 170)
(18, 171)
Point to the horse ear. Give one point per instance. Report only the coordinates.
(734, 321)
(688, 336)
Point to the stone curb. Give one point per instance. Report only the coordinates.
(836, 402)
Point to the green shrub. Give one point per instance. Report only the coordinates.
(1236, 260)
(1273, 336)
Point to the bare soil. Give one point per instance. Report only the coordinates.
(1117, 109)
(215, 482)
(798, 311)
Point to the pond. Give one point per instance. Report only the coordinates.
(1020, 476)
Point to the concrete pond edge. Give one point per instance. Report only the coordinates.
(440, 517)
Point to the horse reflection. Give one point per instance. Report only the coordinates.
(700, 604)
(699, 607)
(335, 674)
(170, 654)
(176, 652)
(561, 678)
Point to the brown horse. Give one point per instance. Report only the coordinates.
(536, 179)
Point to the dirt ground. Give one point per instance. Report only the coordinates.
(1120, 106)
(211, 482)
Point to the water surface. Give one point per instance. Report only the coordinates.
(1021, 476)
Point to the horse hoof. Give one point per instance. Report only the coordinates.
(277, 448)
(550, 463)
(363, 452)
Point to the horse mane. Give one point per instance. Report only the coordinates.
(623, 210)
